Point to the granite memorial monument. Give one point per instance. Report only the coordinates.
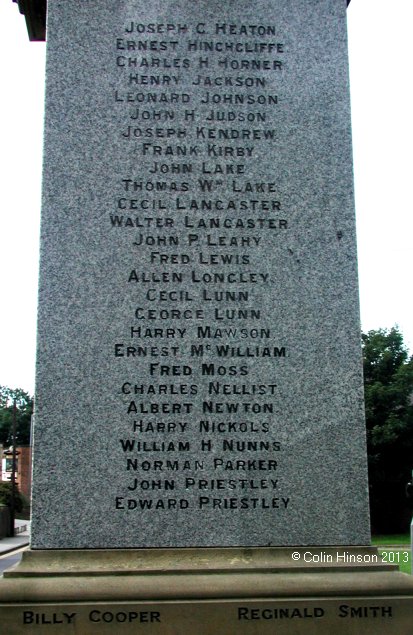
(199, 445)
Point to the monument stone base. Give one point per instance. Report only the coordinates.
(309, 590)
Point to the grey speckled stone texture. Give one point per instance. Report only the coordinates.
(199, 368)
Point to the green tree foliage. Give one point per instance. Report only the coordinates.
(24, 411)
(5, 497)
(388, 386)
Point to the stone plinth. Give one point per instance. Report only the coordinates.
(203, 591)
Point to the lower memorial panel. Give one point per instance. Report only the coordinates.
(318, 616)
